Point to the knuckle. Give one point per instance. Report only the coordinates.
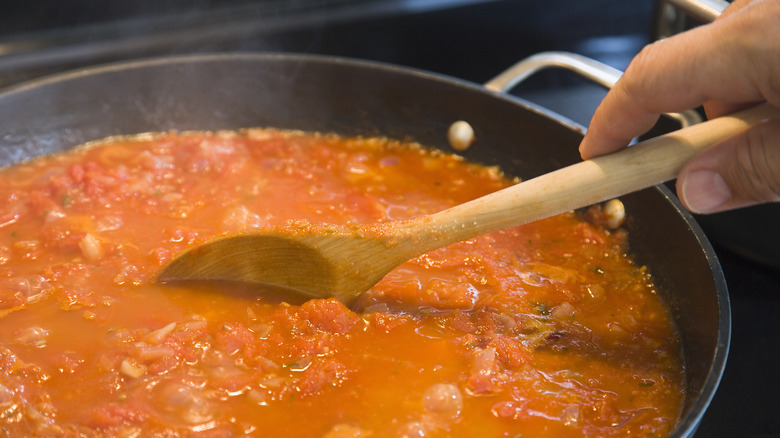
(772, 92)
(755, 172)
(764, 70)
(757, 45)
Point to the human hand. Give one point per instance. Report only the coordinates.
(727, 65)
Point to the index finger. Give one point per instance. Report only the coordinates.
(704, 64)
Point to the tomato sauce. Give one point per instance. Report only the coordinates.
(544, 330)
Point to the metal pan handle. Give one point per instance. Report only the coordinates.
(588, 68)
(591, 69)
(675, 16)
(706, 10)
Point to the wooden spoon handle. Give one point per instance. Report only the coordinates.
(637, 167)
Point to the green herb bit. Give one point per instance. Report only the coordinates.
(541, 308)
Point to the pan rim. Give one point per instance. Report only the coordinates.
(687, 423)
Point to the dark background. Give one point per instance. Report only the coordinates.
(469, 39)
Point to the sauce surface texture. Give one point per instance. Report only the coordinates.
(544, 330)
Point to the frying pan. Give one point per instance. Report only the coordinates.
(349, 97)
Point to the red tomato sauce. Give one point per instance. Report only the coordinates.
(544, 330)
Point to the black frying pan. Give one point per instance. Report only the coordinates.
(358, 98)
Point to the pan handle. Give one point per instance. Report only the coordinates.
(675, 16)
(591, 69)
(588, 68)
(706, 10)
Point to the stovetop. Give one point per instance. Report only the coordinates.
(468, 39)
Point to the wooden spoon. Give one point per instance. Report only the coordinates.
(333, 261)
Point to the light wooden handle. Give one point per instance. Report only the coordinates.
(637, 167)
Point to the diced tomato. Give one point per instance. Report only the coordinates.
(234, 337)
(163, 364)
(329, 315)
(231, 378)
(115, 414)
(10, 299)
(484, 371)
(463, 321)
(68, 362)
(320, 374)
(161, 255)
(77, 172)
(507, 409)
(589, 234)
(8, 361)
(510, 352)
(385, 323)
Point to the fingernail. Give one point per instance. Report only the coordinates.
(704, 191)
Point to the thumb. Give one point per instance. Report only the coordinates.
(738, 172)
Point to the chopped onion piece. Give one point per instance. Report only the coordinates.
(153, 352)
(416, 429)
(132, 369)
(443, 399)
(184, 403)
(159, 335)
(563, 311)
(91, 248)
(33, 336)
(109, 223)
(346, 431)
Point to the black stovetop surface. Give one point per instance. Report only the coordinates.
(468, 39)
